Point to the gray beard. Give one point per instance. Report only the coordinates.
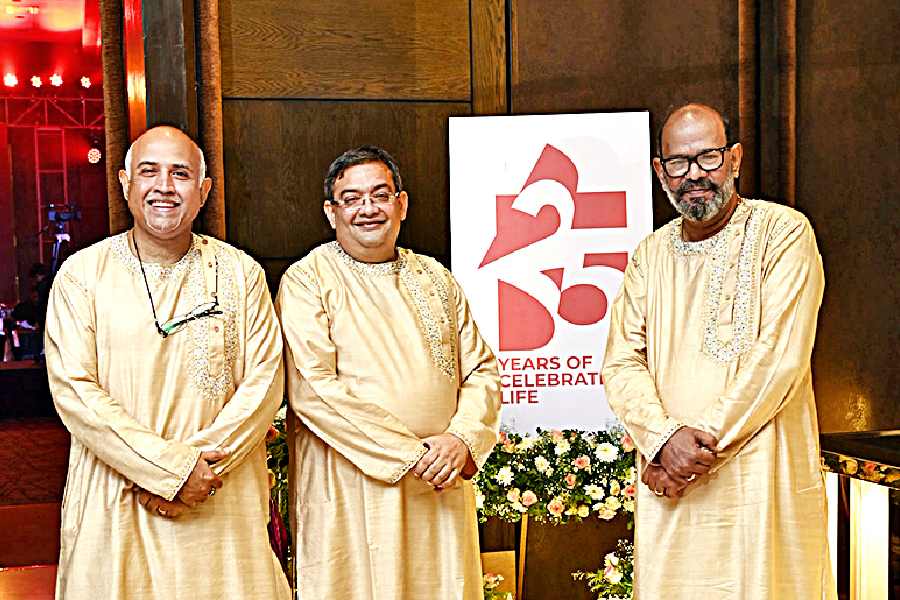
(702, 211)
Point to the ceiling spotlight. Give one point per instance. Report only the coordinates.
(10, 80)
(55, 80)
(85, 82)
(36, 81)
(94, 155)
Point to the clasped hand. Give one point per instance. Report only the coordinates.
(199, 487)
(446, 459)
(688, 454)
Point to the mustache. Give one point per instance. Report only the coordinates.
(700, 184)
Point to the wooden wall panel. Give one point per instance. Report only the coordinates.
(277, 152)
(357, 49)
(848, 116)
(618, 54)
(489, 57)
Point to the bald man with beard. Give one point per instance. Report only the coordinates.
(708, 367)
(164, 360)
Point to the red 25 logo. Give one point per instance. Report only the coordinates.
(524, 322)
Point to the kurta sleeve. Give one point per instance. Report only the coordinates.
(366, 434)
(630, 389)
(477, 418)
(94, 418)
(242, 423)
(792, 282)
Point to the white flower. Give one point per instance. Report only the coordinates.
(584, 511)
(594, 491)
(614, 487)
(613, 575)
(613, 503)
(632, 475)
(606, 452)
(282, 413)
(526, 444)
(541, 464)
(504, 476)
(628, 505)
(562, 446)
(604, 512)
(479, 499)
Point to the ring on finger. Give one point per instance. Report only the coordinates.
(658, 493)
(692, 477)
(162, 511)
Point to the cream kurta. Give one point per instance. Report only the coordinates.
(717, 335)
(379, 356)
(141, 409)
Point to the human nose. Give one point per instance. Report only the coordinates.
(694, 171)
(164, 181)
(368, 205)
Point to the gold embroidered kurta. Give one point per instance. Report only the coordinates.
(141, 409)
(717, 335)
(379, 356)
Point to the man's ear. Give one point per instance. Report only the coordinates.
(403, 203)
(205, 187)
(737, 154)
(123, 181)
(328, 207)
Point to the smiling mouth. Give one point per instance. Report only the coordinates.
(369, 224)
(162, 203)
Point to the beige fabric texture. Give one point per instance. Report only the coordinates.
(141, 409)
(379, 356)
(718, 335)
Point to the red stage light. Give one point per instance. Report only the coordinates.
(55, 80)
(36, 81)
(85, 82)
(10, 80)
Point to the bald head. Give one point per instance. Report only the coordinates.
(694, 119)
(166, 132)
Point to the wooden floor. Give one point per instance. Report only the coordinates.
(27, 583)
(33, 457)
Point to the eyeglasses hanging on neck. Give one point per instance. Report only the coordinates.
(177, 323)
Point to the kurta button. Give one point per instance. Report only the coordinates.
(205, 241)
(209, 265)
(216, 328)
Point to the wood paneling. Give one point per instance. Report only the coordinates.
(777, 100)
(618, 54)
(277, 152)
(358, 49)
(848, 116)
(115, 110)
(169, 64)
(209, 94)
(488, 57)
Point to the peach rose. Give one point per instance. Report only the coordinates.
(528, 498)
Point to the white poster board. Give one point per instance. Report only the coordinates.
(545, 211)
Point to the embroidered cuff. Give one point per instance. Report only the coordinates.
(671, 427)
(470, 444)
(405, 467)
(183, 473)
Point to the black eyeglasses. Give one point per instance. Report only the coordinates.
(708, 160)
(176, 324)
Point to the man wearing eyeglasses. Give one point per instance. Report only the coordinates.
(708, 367)
(165, 363)
(395, 398)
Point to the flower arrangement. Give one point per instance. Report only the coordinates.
(556, 476)
(491, 582)
(279, 491)
(615, 581)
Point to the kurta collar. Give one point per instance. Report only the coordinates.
(364, 268)
(741, 212)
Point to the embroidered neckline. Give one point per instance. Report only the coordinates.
(710, 244)
(155, 271)
(364, 268)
